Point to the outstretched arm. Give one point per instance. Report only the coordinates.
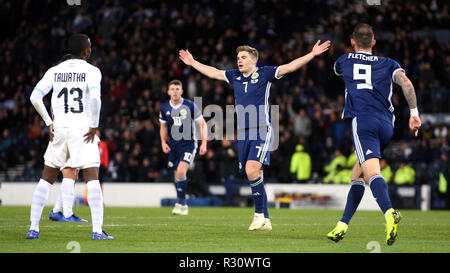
(299, 62)
(206, 70)
(410, 95)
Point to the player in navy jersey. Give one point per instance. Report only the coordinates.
(178, 138)
(368, 80)
(252, 95)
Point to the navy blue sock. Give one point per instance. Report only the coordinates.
(180, 187)
(354, 197)
(258, 193)
(266, 209)
(380, 192)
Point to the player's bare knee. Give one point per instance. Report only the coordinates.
(49, 174)
(90, 174)
(357, 177)
(369, 175)
(70, 173)
(253, 172)
(181, 171)
(179, 174)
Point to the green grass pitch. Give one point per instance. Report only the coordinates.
(224, 230)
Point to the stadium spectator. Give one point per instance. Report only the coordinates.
(385, 170)
(338, 161)
(404, 175)
(351, 159)
(6, 144)
(104, 158)
(444, 175)
(300, 165)
(118, 168)
(343, 175)
(302, 122)
(227, 156)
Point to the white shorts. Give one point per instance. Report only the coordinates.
(68, 149)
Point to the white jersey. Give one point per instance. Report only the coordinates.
(74, 83)
(75, 107)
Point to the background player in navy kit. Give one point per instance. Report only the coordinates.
(368, 80)
(178, 138)
(252, 91)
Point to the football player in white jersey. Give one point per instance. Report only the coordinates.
(75, 106)
(62, 211)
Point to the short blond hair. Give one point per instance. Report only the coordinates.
(253, 51)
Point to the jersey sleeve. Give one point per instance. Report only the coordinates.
(94, 80)
(395, 66)
(93, 85)
(45, 84)
(42, 88)
(229, 75)
(337, 67)
(162, 117)
(271, 73)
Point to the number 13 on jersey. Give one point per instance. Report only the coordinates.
(78, 99)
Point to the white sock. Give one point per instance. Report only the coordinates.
(38, 201)
(58, 204)
(67, 189)
(95, 201)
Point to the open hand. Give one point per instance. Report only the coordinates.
(186, 56)
(319, 49)
(90, 135)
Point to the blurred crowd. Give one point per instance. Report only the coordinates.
(136, 43)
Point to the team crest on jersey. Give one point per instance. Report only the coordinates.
(170, 164)
(254, 77)
(183, 113)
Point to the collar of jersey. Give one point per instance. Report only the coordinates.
(175, 107)
(76, 59)
(362, 51)
(250, 74)
(72, 60)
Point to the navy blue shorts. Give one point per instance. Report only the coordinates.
(254, 144)
(179, 153)
(370, 137)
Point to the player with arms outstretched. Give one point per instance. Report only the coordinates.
(75, 106)
(255, 136)
(178, 138)
(368, 80)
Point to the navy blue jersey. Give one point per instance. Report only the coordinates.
(368, 81)
(180, 121)
(251, 95)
